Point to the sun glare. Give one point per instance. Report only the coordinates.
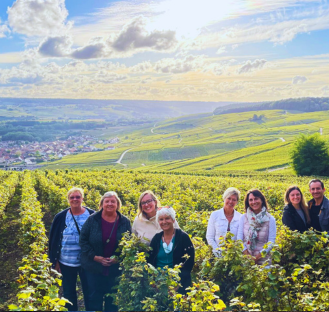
(187, 17)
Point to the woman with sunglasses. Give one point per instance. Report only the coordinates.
(64, 249)
(145, 225)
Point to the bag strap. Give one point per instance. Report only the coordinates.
(76, 224)
(108, 240)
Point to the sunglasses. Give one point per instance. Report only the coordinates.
(75, 197)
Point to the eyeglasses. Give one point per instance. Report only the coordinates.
(75, 197)
(147, 202)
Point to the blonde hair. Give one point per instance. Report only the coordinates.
(75, 189)
(148, 192)
(231, 191)
(110, 194)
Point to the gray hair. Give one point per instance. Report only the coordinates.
(231, 191)
(165, 211)
(110, 194)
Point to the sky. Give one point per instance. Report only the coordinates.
(179, 50)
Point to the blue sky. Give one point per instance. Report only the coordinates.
(210, 50)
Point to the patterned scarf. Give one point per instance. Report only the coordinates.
(255, 224)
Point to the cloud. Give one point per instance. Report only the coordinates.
(250, 66)
(134, 36)
(104, 76)
(298, 80)
(141, 67)
(55, 46)
(178, 66)
(221, 50)
(92, 51)
(38, 17)
(3, 30)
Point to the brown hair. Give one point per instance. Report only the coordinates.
(316, 180)
(256, 193)
(157, 202)
(302, 203)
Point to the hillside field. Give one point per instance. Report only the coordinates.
(216, 143)
(29, 201)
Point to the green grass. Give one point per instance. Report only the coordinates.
(210, 143)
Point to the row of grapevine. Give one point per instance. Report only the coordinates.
(7, 190)
(296, 280)
(38, 282)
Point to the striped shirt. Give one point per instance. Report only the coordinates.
(70, 252)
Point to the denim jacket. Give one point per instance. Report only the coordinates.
(324, 215)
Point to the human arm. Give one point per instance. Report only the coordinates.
(134, 227)
(211, 232)
(86, 249)
(271, 235)
(240, 235)
(55, 237)
(288, 220)
(189, 250)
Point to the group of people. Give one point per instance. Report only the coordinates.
(85, 243)
(257, 228)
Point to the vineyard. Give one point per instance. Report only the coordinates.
(203, 142)
(296, 280)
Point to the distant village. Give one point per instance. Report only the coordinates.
(16, 156)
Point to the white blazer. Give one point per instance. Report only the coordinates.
(217, 226)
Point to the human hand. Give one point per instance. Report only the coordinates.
(246, 252)
(57, 267)
(103, 261)
(259, 256)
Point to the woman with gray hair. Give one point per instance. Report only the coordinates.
(99, 240)
(170, 245)
(224, 220)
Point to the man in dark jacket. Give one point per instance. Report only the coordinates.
(319, 206)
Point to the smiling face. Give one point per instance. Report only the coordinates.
(316, 190)
(110, 204)
(166, 223)
(148, 205)
(255, 203)
(75, 200)
(230, 202)
(295, 197)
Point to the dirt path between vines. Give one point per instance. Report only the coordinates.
(10, 253)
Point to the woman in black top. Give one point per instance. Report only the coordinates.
(170, 246)
(295, 213)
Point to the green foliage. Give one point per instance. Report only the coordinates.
(38, 282)
(310, 156)
(143, 287)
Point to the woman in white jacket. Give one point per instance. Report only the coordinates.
(224, 220)
(145, 225)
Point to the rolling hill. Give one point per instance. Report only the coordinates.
(217, 143)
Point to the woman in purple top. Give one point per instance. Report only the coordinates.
(99, 240)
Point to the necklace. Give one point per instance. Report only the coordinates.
(167, 247)
(230, 216)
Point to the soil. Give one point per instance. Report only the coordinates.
(10, 253)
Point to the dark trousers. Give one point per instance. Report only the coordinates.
(100, 285)
(69, 278)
